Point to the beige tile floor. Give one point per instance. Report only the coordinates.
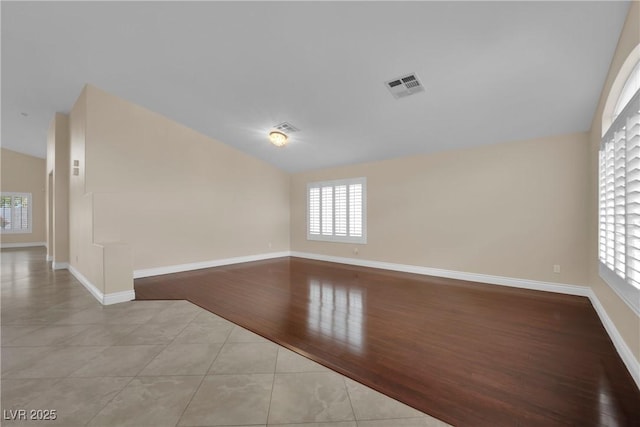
(160, 363)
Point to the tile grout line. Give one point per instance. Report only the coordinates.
(346, 389)
(110, 400)
(273, 384)
(69, 376)
(137, 375)
(206, 372)
(125, 386)
(55, 383)
(8, 344)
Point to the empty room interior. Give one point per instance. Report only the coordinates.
(320, 214)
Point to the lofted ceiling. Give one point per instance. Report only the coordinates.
(492, 71)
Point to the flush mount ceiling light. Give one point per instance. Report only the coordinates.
(277, 138)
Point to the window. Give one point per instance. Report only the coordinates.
(619, 196)
(15, 212)
(336, 210)
(628, 90)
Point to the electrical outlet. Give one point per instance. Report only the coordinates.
(556, 268)
(355, 251)
(270, 245)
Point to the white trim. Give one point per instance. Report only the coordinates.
(22, 245)
(157, 271)
(49, 258)
(460, 275)
(627, 356)
(632, 364)
(59, 265)
(97, 293)
(103, 299)
(118, 297)
(616, 88)
(625, 291)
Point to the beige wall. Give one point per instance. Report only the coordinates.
(625, 320)
(84, 255)
(57, 189)
(25, 174)
(174, 196)
(510, 210)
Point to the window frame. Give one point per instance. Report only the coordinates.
(629, 89)
(29, 197)
(333, 184)
(622, 286)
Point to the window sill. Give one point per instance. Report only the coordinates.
(334, 239)
(629, 294)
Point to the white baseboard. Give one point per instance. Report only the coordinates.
(97, 293)
(59, 265)
(630, 361)
(157, 271)
(451, 274)
(627, 356)
(22, 245)
(103, 299)
(118, 297)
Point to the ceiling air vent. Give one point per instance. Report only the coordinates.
(404, 86)
(286, 128)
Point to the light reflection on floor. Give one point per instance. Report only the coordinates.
(337, 312)
(605, 403)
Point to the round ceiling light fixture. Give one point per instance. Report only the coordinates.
(277, 138)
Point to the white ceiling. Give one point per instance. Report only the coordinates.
(493, 71)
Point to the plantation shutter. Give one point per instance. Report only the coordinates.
(15, 212)
(632, 137)
(336, 210)
(355, 214)
(314, 211)
(341, 210)
(619, 195)
(327, 211)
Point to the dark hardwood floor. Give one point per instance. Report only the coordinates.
(470, 354)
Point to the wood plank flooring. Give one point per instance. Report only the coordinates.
(470, 354)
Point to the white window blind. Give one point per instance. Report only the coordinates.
(619, 204)
(355, 194)
(327, 211)
(15, 212)
(314, 210)
(337, 210)
(341, 210)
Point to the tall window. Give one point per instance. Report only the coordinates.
(336, 210)
(15, 212)
(619, 195)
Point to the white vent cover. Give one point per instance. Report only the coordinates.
(404, 86)
(286, 127)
